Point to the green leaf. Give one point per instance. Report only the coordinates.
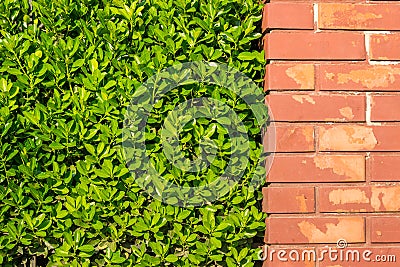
(56, 146)
(86, 248)
(171, 258)
(78, 63)
(246, 56)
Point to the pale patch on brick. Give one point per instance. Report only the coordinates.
(378, 77)
(303, 75)
(347, 112)
(386, 197)
(349, 228)
(347, 138)
(350, 166)
(302, 98)
(302, 202)
(348, 196)
(308, 133)
(344, 14)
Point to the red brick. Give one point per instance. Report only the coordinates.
(385, 46)
(288, 16)
(290, 138)
(341, 137)
(317, 107)
(289, 76)
(288, 199)
(368, 257)
(385, 108)
(288, 230)
(385, 229)
(314, 46)
(316, 169)
(359, 198)
(276, 258)
(358, 77)
(384, 168)
(359, 16)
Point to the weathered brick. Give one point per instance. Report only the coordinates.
(317, 107)
(358, 77)
(359, 16)
(317, 169)
(288, 230)
(385, 229)
(348, 137)
(288, 16)
(384, 168)
(288, 199)
(314, 46)
(292, 138)
(385, 46)
(385, 107)
(359, 198)
(289, 76)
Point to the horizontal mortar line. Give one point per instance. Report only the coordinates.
(319, 60)
(324, 153)
(360, 30)
(318, 122)
(320, 215)
(332, 214)
(319, 184)
(384, 213)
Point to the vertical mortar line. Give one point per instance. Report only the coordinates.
(316, 136)
(368, 168)
(367, 45)
(316, 199)
(368, 108)
(315, 10)
(367, 35)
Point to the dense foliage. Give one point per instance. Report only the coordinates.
(68, 70)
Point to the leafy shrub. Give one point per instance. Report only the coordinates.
(68, 71)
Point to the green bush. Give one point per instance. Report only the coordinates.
(68, 71)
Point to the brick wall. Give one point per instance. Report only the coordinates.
(333, 83)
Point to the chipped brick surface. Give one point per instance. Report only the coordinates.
(314, 230)
(358, 77)
(289, 138)
(345, 137)
(283, 76)
(359, 198)
(289, 199)
(359, 16)
(317, 169)
(317, 107)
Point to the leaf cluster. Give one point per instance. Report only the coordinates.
(68, 70)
